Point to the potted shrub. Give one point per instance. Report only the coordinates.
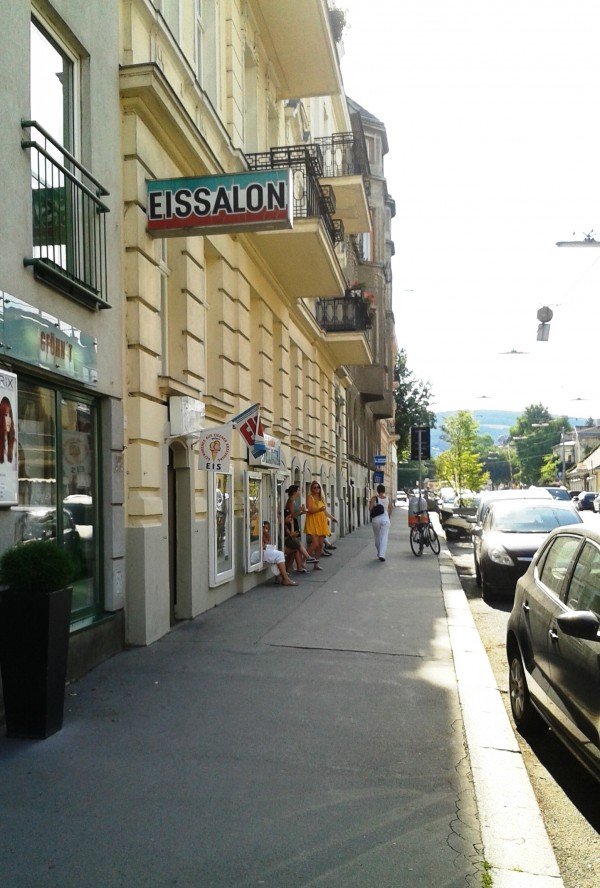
(35, 615)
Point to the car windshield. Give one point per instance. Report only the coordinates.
(530, 519)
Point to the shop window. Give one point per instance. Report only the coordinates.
(253, 519)
(220, 516)
(57, 485)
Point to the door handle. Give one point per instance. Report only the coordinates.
(553, 634)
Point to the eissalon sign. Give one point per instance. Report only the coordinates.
(257, 201)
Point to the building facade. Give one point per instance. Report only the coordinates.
(61, 343)
(280, 318)
(125, 337)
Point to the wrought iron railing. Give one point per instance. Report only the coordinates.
(342, 155)
(69, 221)
(311, 199)
(345, 315)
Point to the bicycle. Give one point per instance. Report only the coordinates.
(422, 535)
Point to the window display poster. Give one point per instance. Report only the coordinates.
(9, 452)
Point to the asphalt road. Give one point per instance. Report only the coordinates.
(568, 797)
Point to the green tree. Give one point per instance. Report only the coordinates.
(412, 397)
(461, 464)
(534, 435)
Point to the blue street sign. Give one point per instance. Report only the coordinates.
(377, 477)
(379, 460)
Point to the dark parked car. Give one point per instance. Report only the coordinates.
(483, 503)
(585, 500)
(553, 643)
(511, 533)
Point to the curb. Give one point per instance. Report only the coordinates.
(515, 841)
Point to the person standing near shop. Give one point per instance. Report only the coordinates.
(316, 524)
(380, 509)
(294, 509)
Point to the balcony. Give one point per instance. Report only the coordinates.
(346, 324)
(69, 222)
(374, 385)
(345, 167)
(303, 258)
(287, 29)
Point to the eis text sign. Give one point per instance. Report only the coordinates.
(257, 201)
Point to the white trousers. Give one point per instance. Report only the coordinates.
(381, 529)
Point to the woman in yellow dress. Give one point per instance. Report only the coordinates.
(316, 524)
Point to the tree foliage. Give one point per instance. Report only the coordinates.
(534, 435)
(412, 397)
(461, 464)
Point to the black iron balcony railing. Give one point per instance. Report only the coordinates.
(342, 155)
(346, 315)
(311, 199)
(69, 221)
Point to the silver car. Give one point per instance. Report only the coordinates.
(553, 643)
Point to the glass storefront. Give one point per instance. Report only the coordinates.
(57, 434)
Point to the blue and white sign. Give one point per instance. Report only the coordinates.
(380, 460)
(377, 478)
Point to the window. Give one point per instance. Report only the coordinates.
(58, 484)
(584, 589)
(207, 48)
(53, 81)
(171, 14)
(558, 562)
(254, 517)
(220, 516)
(69, 228)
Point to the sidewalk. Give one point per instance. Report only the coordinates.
(308, 736)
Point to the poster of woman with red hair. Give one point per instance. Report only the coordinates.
(9, 463)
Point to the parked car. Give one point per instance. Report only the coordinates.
(511, 533)
(585, 500)
(559, 493)
(484, 501)
(553, 643)
(401, 497)
(487, 497)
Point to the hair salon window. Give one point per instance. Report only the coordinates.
(220, 516)
(57, 435)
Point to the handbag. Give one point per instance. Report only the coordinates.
(377, 509)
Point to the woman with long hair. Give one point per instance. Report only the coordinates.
(7, 430)
(316, 524)
(293, 538)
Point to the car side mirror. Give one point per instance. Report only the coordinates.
(580, 624)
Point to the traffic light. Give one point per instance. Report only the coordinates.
(419, 443)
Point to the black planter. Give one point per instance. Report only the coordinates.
(34, 647)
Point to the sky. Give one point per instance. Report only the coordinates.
(491, 113)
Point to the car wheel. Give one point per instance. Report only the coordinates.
(527, 719)
(486, 590)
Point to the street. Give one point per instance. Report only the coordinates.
(568, 797)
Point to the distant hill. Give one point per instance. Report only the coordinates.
(495, 423)
(491, 422)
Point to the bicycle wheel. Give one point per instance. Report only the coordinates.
(434, 540)
(416, 540)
